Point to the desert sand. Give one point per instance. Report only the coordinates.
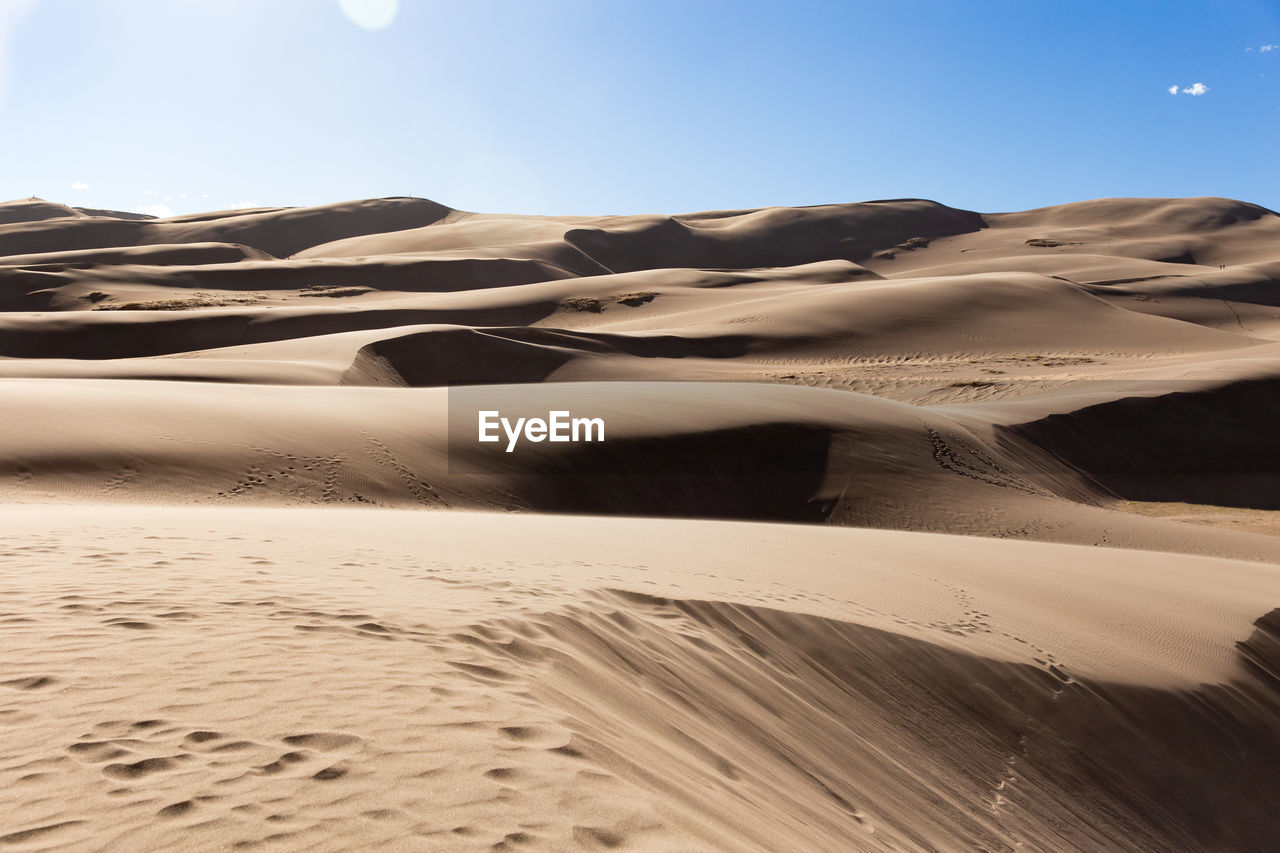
(916, 528)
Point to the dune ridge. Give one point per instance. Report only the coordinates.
(916, 528)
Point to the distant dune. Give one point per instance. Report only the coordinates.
(265, 589)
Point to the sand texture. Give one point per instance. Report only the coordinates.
(916, 528)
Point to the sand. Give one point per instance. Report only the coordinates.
(916, 528)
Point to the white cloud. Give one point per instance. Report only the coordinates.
(1266, 48)
(159, 210)
(1173, 90)
(1195, 89)
(79, 185)
(244, 205)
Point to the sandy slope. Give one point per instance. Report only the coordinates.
(334, 679)
(223, 624)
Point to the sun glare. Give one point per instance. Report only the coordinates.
(370, 14)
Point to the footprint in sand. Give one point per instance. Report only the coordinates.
(203, 736)
(323, 741)
(284, 762)
(177, 809)
(34, 682)
(145, 767)
(97, 751)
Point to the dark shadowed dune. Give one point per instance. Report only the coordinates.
(1210, 446)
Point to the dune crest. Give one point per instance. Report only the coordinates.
(911, 528)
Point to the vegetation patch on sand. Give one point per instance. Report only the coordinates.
(334, 290)
(182, 304)
(634, 300)
(585, 304)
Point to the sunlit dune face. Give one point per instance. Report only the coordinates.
(370, 14)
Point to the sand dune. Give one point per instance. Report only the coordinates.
(547, 688)
(264, 587)
(153, 255)
(278, 232)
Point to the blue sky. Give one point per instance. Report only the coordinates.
(628, 106)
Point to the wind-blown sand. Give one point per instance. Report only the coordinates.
(261, 591)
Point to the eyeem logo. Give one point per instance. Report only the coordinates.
(559, 426)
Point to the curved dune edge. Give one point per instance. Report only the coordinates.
(188, 676)
(228, 621)
(705, 450)
(1100, 334)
